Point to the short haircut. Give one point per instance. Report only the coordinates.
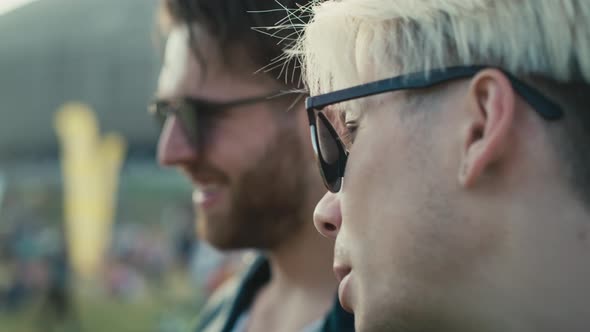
(546, 42)
(233, 24)
(348, 38)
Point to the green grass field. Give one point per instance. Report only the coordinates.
(167, 309)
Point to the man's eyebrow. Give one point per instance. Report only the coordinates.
(332, 113)
(341, 111)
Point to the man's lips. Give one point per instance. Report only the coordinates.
(208, 186)
(343, 274)
(341, 271)
(207, 196)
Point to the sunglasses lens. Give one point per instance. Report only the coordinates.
(327, 143)
(189, 121)
(330, 153)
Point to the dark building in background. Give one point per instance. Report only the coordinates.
(101, 52)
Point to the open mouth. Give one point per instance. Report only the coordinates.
(206, 196)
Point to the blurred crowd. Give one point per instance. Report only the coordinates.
(158, 258)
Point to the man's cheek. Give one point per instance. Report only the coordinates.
(450, 251)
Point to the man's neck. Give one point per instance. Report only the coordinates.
(302, 285)
(304, 262)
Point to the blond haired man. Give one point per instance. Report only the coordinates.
(460, 183)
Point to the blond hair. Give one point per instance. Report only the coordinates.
(350, 42)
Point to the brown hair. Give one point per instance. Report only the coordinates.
(242, 24)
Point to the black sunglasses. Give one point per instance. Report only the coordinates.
(197, 117)
(330, 150)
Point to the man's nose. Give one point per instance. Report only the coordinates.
(327, 216)
(174, 146)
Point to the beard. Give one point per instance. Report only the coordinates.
(266, 201)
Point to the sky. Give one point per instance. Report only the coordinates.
(9, 5)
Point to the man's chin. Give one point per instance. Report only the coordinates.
(221, 244)
(226, 243)
(219, 232)
(223, 236)
(209, 230)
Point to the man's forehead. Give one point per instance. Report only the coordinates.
(182, 73)
(176, 62)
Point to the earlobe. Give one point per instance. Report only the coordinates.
(490, 108)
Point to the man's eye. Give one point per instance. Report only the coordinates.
(349, 134)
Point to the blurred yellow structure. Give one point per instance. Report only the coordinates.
(90, 166)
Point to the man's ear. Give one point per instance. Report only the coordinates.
(490, 108)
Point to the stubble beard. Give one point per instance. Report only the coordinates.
(266, 203)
